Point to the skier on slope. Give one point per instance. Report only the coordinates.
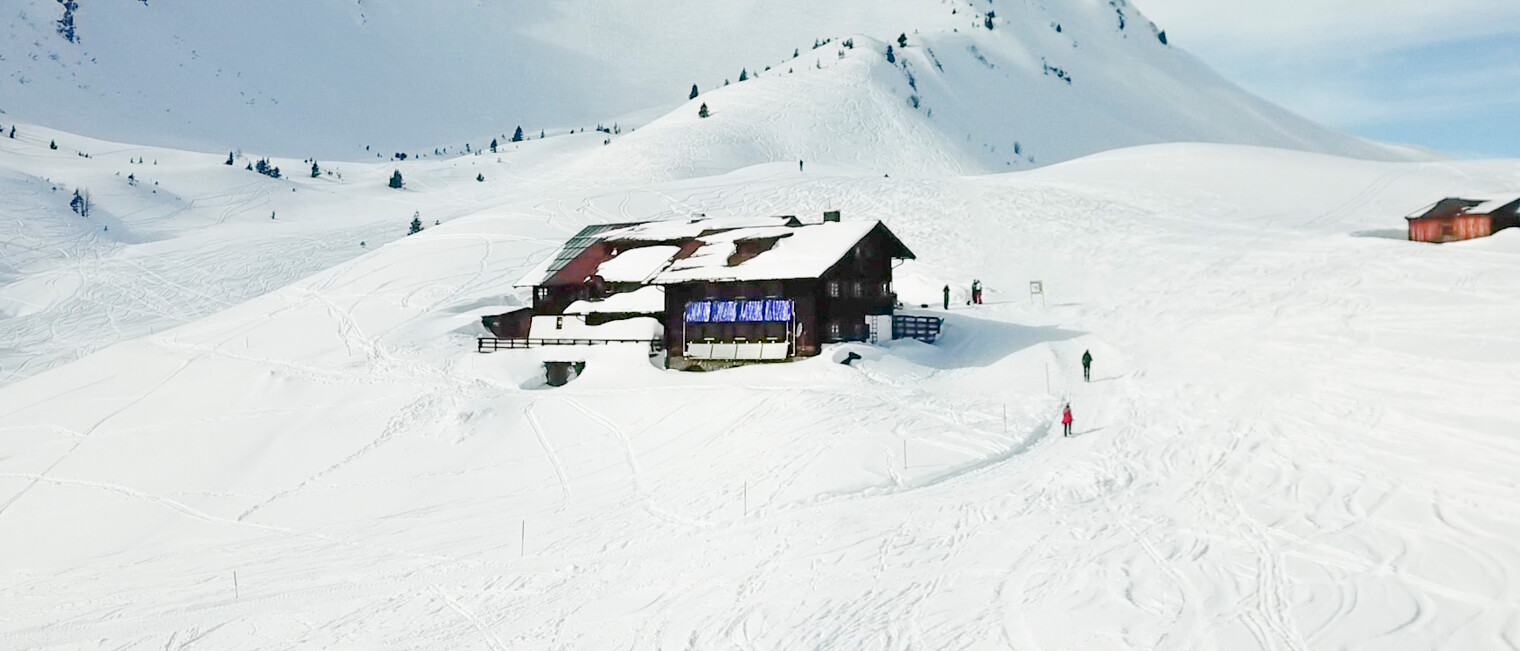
(1066, 420)
(947, 297)
(976, 292)
(1087, 366)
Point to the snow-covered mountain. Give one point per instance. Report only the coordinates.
(997, 86)
(239, 411)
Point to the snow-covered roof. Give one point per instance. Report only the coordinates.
(1455, 206)
(801, 252)
(678, 229)
(637, 265)
(1493, 205)
(644, 300)
(769, 248)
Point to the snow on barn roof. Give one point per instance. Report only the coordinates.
(1456, 206)
(800, 252)
(644, 300)
(1494, 205)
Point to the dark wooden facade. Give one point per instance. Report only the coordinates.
(831, 308)
(1450, 221)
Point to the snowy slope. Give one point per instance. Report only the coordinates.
(343, 79)
(1299, 435)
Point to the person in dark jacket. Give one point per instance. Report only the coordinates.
(976, 292)
(947, 297)
(1087, 366)
(1066, 420)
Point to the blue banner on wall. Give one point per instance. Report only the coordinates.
(752, 311)
(725, 311)
(698, 312)
(768, 310)
(778, 309)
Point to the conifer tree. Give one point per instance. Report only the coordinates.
(229, 158)
(315, 171)
(987, 22)
(480, 177)
(744, 75)
(13, 132)
(396, 181)
(493, 145)
(902, 40)
(891, 58)
(702, 112)
(517, 137)
(416, 223)
(693, 92)
(52, 144)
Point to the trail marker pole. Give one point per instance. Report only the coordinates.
(1005, 418)
(236, 594)
(1047, 378)
(905, 454)
(746, 499)
(522, 545)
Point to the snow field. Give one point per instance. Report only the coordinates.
(1296, 437)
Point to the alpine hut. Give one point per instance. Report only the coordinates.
(722, 291)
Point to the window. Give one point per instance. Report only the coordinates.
(886, 288)
(543, 293)
(834, 330)
(857, 289)
(833, 288)
(559, 323)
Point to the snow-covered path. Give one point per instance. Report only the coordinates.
(1297, 437)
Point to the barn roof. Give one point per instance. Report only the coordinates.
(1455, 207)
(721, 249)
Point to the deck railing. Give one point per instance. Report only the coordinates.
(493, 344)
(922, 328)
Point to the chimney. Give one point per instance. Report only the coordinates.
(831, 216)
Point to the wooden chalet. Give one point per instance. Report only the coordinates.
(722, 291)
(1453, 219)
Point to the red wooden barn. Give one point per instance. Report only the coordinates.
(1454, 219)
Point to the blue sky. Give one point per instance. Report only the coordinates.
(1442, 74)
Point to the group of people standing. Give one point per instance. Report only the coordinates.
(976, 294)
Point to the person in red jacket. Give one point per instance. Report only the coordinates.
(1066, 420)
